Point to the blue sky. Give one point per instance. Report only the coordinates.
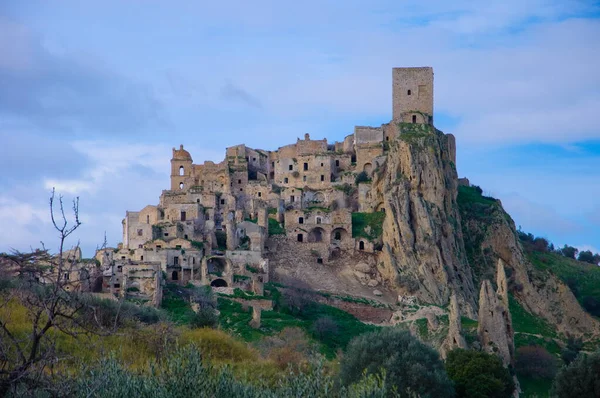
(94, 94)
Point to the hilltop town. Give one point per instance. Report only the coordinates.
(378, 226)
(229, 224)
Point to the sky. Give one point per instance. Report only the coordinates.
(94, 94)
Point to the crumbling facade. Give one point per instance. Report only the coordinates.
(220, 224)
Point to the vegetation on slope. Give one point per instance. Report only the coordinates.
(582, 278)
(368, 225)
(477, 213)
(275, 228)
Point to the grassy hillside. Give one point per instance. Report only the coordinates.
(306, 314)
(582, 278)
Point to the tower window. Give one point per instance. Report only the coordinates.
(183, 216)
(306, 166)
(300, 238)
(239, 181)
(304, 178)
(181, 185)
(291, 167)
(285, 180)
(337, 163)
(181, 171)
(259, 194)
(322, 177)
(292, 198)
(408, 92)
(414, 118)
(301, 220)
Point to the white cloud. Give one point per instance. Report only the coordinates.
(535, 216)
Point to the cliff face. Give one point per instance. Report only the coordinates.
(490, 235)
(423, 252)
(437, 241)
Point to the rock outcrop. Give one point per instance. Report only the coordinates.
(495, 326)
(423, 252)
(455, 337)
(540, 293)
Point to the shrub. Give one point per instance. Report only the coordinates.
(568, 251)
(410, 366)
(581, 379)
(206, 312)
(185, 373)
(592, 305)
(362, 177)
(110, 313)
(589, 257)
(324, 327)
(290, 347)
(478, 374)
(298, 298)
(570, 352)
(535, 362)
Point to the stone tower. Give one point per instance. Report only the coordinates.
(412, 95)
(181, 168)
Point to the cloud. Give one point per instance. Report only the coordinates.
(538, 217)
(70, 92)
(235, 93)
(31, 156)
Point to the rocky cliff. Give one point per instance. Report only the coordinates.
(423, 252)
(490, 235)
(437, 242)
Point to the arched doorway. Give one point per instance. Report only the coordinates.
(368, 168)
(174, 276)
(361, 245)
(339, 234)
(316, 235)
(218, 283)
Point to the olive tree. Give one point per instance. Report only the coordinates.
(409, 367)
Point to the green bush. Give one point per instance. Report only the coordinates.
(111, 313)
(368, 225)
(581, 379)
(206, 314)
(535, 362)
(571, 351)
(407, 365)
(275, 228)
(362, 177)
(478, 374)
(185, 373)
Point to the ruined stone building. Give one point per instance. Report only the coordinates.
(224, 223)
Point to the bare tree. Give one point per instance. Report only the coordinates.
(44, 285)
